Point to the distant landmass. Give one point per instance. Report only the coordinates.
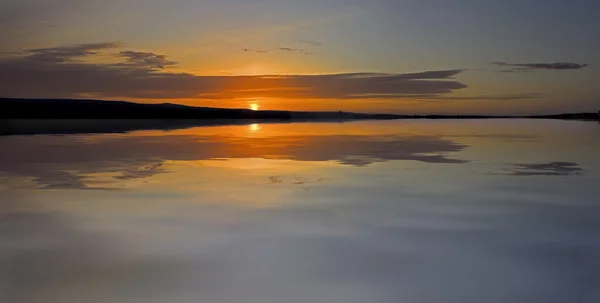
(11, 108)
(58, 116)
(98, 109)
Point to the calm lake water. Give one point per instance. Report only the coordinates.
(458, 211)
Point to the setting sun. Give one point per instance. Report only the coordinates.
(254, 106)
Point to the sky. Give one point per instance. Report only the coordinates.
(396, 56)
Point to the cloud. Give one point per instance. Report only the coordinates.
(289, 49)
(150, 60)
(256, 50)
(547, 169)
(521, 67)
(67, 53)
(57, 73)
(311, 43)
(280, 50)
(491, 97)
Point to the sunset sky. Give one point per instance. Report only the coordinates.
(398, 56)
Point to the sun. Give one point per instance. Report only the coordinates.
(254, 106)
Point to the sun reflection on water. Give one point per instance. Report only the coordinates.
(254, 127)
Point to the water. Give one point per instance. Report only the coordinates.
(393, 211)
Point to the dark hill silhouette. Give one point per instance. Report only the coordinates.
(97, 109)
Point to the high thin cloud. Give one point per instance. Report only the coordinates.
(310, 42)
(491, 97)
(519, 67)
(141, 75)
(295, 50)
(280, 50)
(256, 50)
(289, 49)
(143, 59)
(67, 53)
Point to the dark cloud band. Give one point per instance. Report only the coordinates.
(57, 72)
(540, 66)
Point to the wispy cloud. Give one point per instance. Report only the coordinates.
(264, 51)
(144, 59)
(288, 49)
(491, 97)
(523, 67)
(280, 50)
(68, 53)
(310, 42)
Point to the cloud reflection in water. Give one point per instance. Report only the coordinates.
(63, 161)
